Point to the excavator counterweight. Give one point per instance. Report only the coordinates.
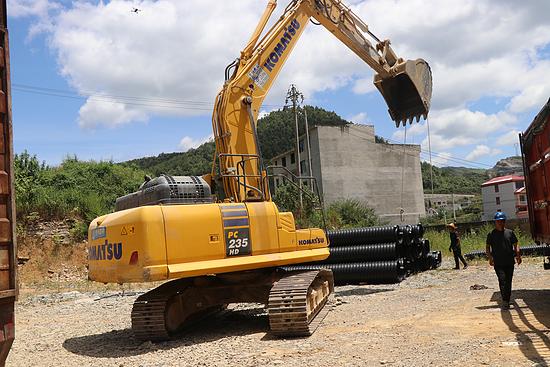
(408, 92)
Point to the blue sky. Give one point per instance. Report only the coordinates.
(96, 80)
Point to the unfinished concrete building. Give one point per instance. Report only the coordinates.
(348, 163)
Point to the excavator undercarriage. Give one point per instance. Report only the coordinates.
(293, 301)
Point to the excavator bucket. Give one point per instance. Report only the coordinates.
(408, 91)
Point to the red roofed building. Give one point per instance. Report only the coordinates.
(498, 194)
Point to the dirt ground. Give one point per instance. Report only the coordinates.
(430, 319)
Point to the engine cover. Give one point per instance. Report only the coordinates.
(167, 190)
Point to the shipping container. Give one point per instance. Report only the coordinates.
(535, 150)
(8, 251)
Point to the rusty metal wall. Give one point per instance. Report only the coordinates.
(8, 251)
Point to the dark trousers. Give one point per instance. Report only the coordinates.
(504, 275)
(458, 255)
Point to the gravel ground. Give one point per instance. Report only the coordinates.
(431, 318)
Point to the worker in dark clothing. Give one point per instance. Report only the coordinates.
(455, 246)
(502, 247)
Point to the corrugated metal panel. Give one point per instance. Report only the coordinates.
(8, 264)
(535, 147)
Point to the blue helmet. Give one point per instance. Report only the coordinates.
(500, 216)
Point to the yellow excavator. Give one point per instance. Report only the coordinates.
(226, 247)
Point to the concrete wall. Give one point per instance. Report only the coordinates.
(507, 200)
(354, 166)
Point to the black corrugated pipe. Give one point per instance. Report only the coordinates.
(371, 235)
(418, 230)
(436, 259)
(425, 247)
(365, 272)
(359, 253)
(363, 236)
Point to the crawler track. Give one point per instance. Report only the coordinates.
(148, 318)
(296, 302)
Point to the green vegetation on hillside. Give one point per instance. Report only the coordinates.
(276, 131)
(75, 190)
(194, 162)
(457, 180)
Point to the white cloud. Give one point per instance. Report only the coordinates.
(188, 142)
(510, 138)
(476, 48)
(416, 129)
(26, 8)
(41, 10)
(481, 151)
(360, 118)
(440, 159)
(461, 127)
(107, 113)
(363, 86)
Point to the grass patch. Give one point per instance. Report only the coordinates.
(470, 241)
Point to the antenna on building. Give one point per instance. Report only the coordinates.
(293, 98)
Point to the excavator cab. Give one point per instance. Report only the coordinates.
(407, 91)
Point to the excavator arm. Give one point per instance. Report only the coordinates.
(405, 85)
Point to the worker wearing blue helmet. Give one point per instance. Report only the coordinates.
(501, 248)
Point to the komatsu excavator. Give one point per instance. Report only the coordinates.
(226, 248)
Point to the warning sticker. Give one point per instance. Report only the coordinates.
(127, 230)
(259, 76)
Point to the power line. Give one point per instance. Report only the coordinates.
(449, 157)
(122, 99)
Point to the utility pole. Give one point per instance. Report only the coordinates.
(310, 169)
(454, 210)
(294, 97)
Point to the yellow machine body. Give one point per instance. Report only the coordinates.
(239, 230)
(161, 242)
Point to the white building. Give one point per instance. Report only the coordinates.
(498, 195)
(447, 201)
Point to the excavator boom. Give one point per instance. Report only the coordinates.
(405, 85)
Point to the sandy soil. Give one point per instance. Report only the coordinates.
(431, 319)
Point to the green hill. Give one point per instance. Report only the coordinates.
(457, 180)
(275, 132)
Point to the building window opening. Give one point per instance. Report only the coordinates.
(519, 184)
(284, 161)
(292, 159)
(498, 200)
(496, 188)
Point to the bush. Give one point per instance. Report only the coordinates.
(350, 213)
(74, 190)
(345, 213)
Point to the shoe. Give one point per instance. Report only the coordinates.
(457, 268)
(465, 266)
